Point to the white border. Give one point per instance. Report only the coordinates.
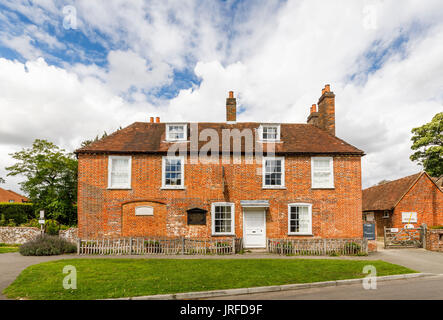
(110, 159)
(260, 131)
(185, 136)
(182, 185)
(309, 205)
(282, 186)
(331, 167)
(232, 205)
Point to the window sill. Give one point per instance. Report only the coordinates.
(300, 234)
(319, 188)
(277, 188)
(172, 188)
(109, 188)
(223, 235)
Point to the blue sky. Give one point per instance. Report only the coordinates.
(126, 61)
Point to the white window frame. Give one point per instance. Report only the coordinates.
(112, 158)
(282, 186)
(226, 204)
(331, 168)
(309, 205)
(260, 130)
(185, 131)
(182, 185)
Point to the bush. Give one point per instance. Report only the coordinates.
(47, 245)
(18, 212)
(436, 227)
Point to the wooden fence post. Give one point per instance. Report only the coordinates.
(183, 245)
(233, 245)
(78, 245)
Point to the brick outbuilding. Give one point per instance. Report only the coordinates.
(261, 180)
(411, 200)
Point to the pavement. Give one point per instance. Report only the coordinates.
(11, 264)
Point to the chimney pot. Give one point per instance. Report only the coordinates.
(152, 119)
(314, 108)
(231, 94)
(157, 119)
(323, 91)
(327, 88)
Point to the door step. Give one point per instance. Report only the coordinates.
(255, 250)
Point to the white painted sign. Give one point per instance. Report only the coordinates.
(409, 226)
(370, 216)
(394, 229)
(42, 214)
(144, 211)
(41, 221)
(407, 217)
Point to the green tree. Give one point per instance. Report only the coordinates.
(427, 140)
(51, 179)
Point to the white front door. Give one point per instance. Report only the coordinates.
(254, 228)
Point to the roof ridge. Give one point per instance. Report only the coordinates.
(393, 181)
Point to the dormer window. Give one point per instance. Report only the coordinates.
(269, 132)
(176, 132)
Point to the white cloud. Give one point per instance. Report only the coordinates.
(275, 56)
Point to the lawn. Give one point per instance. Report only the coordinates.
(4, 248)
(112, 278)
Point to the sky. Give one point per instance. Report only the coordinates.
(70, 70)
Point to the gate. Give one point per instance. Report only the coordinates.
(403, 237)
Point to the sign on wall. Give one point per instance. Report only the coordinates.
(409, 217)
(144, 211)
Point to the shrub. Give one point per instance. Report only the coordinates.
(436, 227)
(352, 247)
(19, 212)
(52, 227)
(47, 245)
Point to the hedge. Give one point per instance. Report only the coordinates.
(18, 212)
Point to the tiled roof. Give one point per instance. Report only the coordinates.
(387, 195)
(7, 195)
(147, 137)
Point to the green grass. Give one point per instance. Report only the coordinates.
(112, 278)
(5, 248)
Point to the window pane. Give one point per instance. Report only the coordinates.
(222, 219)
(273, 172)
(269, 133)
(176, 132)
(299, 219)
(173, 172)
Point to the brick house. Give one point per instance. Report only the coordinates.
(306, 185)
(12, 197)
(414, 200)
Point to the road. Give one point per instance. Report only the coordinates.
(428, 288)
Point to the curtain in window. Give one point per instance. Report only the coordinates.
(120, 172)
(322, 173)
(299, 219)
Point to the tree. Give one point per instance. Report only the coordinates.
(2, 180)
(88, 142)
(383, 182)
(428, 141)
(51, 179)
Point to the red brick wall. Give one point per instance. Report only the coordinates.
(425, 199)
(107, 213)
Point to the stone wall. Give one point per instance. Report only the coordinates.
(434, 240)
(17, 234)
(69, 234)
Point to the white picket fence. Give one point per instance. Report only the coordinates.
(165, 246)
(318, 247)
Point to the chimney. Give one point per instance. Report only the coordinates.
(157, 119)
(324, 118)
(152, 119)
(313, 116)
(231, 108)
